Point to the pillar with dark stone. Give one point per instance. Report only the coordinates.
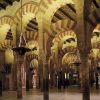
(44, 70)
(97, 80)
(85, 76)
(92, 70)
(2, 70)
(19, 57)
(37, 78)
(45, 78)
(0, 83)
(19, 81)
(14, 75)
(84, 42)
(51, 71)
(41, 74)
(80, 78)
(27, 63)
(27, 79)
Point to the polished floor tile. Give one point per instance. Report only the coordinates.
(54, 94)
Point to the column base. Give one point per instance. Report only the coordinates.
(19, 95)
(27, 86)
(0, 88)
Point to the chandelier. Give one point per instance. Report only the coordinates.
(21, 49)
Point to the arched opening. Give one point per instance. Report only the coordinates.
(63, 43)
(32, 66)
(35, 73)
(71, 65)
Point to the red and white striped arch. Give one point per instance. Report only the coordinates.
(10, 21)
(30, 35)
(7, 20)
(28, 7)
(70, 58)
(68, 49)
(35, 43)
(44, 5)
(6, 44)
(60, 26)
(48, 8)
(30, 57)
(60, 36)
(96, 45)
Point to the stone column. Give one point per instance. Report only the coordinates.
(60, 73)
(30, 76)
(2, 75)
(84, 41)
(85, 76)
(51, 71)
(37, 78)
(14, 75)
(27, 72)
(2, 61)
(51, 77)
(9, 76)
(0, 83)
(80, 77)
(43, 60)
(40, 42)
(45, 78)
(92, 72)
(19, 59)
(41, 74)
(27, 79)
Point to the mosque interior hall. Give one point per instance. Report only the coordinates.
(50, 49)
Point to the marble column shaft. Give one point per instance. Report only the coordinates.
(85, 76)
(84, 42)
(19, 61)
(0, 84)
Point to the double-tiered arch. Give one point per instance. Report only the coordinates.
(7, 26)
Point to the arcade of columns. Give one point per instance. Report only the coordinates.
(59, 34)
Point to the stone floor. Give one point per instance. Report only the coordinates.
(67, 94)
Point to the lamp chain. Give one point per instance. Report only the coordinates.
(21, 15)
(21, 34)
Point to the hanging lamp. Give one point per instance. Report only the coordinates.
(21, 49)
